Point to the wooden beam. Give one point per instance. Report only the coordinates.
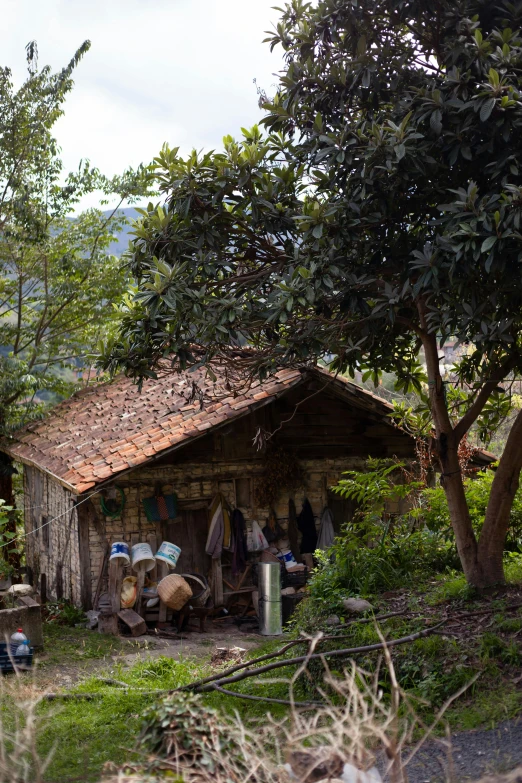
(84, 551)
(133, 621)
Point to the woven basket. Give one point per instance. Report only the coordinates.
(174, 591)
(199, 587)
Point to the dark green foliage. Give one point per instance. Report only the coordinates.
(63, 612)
(394, 562)
(389, 173)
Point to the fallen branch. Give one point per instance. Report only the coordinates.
(286, 702)
(465, 615)
(223, 680)
(111, 681)
(101, 694)
(278, 653)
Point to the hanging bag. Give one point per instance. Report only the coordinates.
(256, 541)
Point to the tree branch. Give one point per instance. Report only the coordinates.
(471, 415)
(326, 654)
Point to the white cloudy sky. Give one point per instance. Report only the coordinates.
(158, 70)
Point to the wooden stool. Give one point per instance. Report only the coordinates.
(202, 612)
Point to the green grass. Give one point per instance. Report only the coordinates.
(490, 703)
(87, 734)
(64, 646)
(84, 735)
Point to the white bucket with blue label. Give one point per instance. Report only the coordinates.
(286, 557)
(168, 553)
(120, 551)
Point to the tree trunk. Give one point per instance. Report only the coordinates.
(453, 484)
(496, 523)
(451, 478)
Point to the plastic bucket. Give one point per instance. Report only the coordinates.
(120, 551)
(287, 558)
(168, 553)
(142, 557)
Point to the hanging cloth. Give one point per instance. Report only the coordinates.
(240, 552)
(228, 542)
(293, 532)
(216, 528)
(273, 530)
(306, 524)
(326, 531)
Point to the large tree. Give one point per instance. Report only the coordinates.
(58, 278)
(378, 216)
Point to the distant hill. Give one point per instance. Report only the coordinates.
(120, 245)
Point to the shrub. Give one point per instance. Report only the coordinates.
(399, 559)
(436, 515)
(63, 612)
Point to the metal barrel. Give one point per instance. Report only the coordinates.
(269, 586)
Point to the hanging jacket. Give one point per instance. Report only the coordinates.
(306, 524)
(293, 532)
(326, 531)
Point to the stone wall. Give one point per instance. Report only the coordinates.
(52, 550)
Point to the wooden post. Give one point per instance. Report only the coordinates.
(152, 539)
(217, 581)
(100, 576)
(108, 623)
(115, 582)
(139, 590)
(161, 571)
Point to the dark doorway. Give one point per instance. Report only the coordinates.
(189, 532)
(342, 510)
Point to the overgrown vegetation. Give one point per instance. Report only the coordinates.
(378, 550)
(408, 562)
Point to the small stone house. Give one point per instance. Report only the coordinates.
(186, 435)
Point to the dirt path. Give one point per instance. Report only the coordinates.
(190, 645)
(474, 753)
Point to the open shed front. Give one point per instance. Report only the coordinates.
(112, 441)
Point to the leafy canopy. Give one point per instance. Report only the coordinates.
(384, 193)
(58, 278)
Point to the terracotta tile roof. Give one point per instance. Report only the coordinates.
(108, 428)
(111, 427)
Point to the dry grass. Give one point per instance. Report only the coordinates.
(355, 726)
(20, 761)
(355, 731)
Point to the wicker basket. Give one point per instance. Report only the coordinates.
(200, 589)
(174, 591)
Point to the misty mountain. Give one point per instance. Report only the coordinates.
(120, 245)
